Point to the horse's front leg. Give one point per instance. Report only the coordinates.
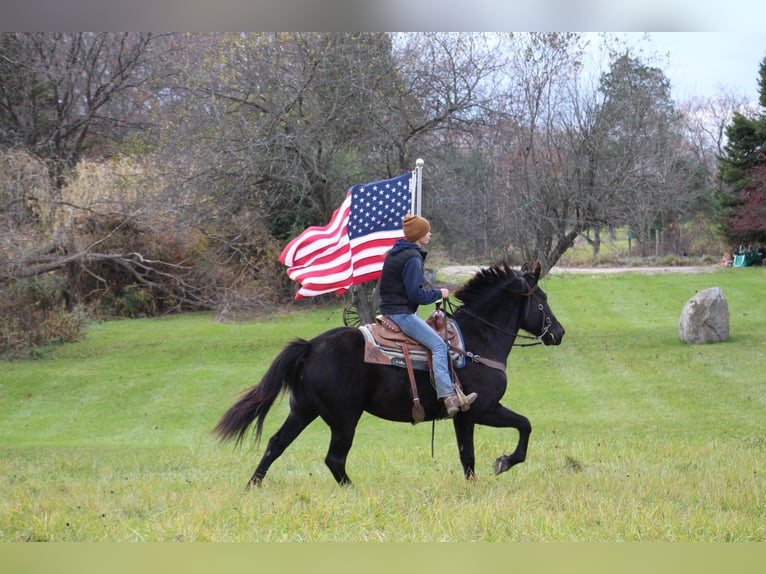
(501, 416)
(464, 436)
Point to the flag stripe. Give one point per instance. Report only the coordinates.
(316, 239)
(329, 267)
(351, 248)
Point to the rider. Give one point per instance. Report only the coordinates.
(402, 291)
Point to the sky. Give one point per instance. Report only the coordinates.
(737, 16)
(710, 44)
(704, 63)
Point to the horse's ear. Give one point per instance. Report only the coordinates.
(537, 270)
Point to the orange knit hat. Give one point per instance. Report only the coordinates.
(415, 227)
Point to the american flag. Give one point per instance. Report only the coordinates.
(351, 248)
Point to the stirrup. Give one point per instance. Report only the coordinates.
(464, 400)
(452, 405)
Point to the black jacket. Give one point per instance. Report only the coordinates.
(401, 282)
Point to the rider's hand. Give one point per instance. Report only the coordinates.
(445, 292)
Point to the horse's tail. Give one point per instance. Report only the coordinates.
(255, 402)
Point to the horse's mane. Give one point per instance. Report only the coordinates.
(480, 285)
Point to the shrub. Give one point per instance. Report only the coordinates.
(34, 313)
(135, 301)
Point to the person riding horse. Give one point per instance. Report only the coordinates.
(402, 292)
(327, 376)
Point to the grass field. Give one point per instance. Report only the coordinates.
(637, 436)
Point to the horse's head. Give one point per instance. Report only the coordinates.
(537, 317)
(509, 300)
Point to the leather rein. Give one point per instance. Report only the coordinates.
(537, 339)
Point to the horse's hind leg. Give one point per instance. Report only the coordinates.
(341, 440)
(287, 433)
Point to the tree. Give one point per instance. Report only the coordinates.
(65, 97)
(65, 94)
(96, 229)
(249, 139)
(450, 81)
(705, 122)
(741, 174)
(280, 125)
(749, 218)
(574, 159)
(644, 157)
(526, 207)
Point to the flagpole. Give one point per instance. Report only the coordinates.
(418, 185)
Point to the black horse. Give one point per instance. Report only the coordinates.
(327, 376)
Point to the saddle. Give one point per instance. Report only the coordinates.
(387, 344)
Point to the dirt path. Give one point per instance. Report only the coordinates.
(464, 271)
(645, 270)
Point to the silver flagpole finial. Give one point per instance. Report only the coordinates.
(419, 185)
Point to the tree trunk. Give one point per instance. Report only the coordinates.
(560, 248)
(596, 243)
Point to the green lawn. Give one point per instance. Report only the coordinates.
(637, 436)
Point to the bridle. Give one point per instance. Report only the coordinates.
(546, 319)
(528, 294)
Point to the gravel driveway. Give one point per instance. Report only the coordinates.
(465, 271)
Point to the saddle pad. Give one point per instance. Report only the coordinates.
(391, 354)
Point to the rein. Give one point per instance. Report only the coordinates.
(538, 339)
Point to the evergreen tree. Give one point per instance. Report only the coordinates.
(741, 199)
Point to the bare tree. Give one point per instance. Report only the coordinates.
(538, 180)
(64, 98)
(566, 158)
(62, 94)
(278, 123)
(705, 121)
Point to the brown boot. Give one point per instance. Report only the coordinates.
(466, 400)
(452, 404)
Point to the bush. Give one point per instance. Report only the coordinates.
(135, 301)
(65, 326)
(33, 313)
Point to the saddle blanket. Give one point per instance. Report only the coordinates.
(383, 347)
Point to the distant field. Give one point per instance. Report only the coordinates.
(637, 436)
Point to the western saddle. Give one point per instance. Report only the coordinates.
(386, 344)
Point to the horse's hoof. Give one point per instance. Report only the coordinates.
(255, 481)
(507, 462)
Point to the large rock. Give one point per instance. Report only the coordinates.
(705, 318)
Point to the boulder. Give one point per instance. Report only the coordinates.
(705, 318)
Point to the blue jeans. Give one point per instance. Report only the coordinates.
(419, 330)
